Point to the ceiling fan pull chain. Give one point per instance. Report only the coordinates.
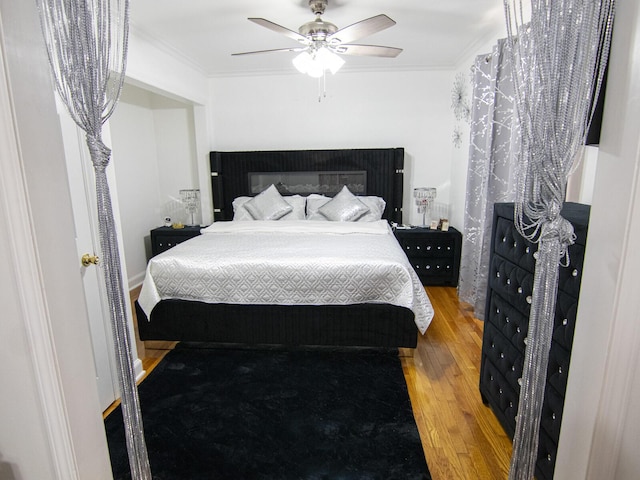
(324, 84)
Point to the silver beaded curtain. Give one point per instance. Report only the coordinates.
(559, 55)
(87, 47)
(491, 172)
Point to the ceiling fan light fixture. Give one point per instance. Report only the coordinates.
(316, 63)
(329, 60)
(302, 62)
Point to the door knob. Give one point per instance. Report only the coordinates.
(88, 259)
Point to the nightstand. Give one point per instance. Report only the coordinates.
(163, 238)
(434, 254)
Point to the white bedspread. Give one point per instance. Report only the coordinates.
(287, 263)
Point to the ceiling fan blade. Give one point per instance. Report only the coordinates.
(362, 29)
(280, 29)
(367, 50)
(294, 49)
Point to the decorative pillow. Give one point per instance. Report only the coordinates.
(344, 207)
(268, 205)
(240, 213)
(375, 204)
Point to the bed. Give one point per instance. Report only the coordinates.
(300, 280)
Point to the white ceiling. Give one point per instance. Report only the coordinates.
(433, 33)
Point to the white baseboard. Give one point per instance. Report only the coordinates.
(137, 367)
(136, 280)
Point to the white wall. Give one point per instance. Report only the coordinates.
(158, 70)
(154, 157)
(177, 162)
(361, 110)
(135, 160)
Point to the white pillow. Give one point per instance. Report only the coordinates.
(240, 213)
(376, 207)
(298, 204)
(314, 202)
(268, 205)
(344, 207)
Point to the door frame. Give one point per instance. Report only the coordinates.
(27, 276)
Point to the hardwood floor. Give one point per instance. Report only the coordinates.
(461, 437)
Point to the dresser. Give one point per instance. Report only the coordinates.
(510, 284)
(434, 254)
(163, 238)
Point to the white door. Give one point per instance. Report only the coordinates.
(81, 186)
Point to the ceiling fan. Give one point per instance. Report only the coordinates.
(322, 42)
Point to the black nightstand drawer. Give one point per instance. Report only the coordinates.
(433, 266)
(163, 238)
(428, 246)
(434, 255)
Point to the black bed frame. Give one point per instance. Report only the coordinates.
(370, 325)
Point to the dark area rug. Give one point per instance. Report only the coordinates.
(236, 413)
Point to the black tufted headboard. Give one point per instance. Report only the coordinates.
(382, 168)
